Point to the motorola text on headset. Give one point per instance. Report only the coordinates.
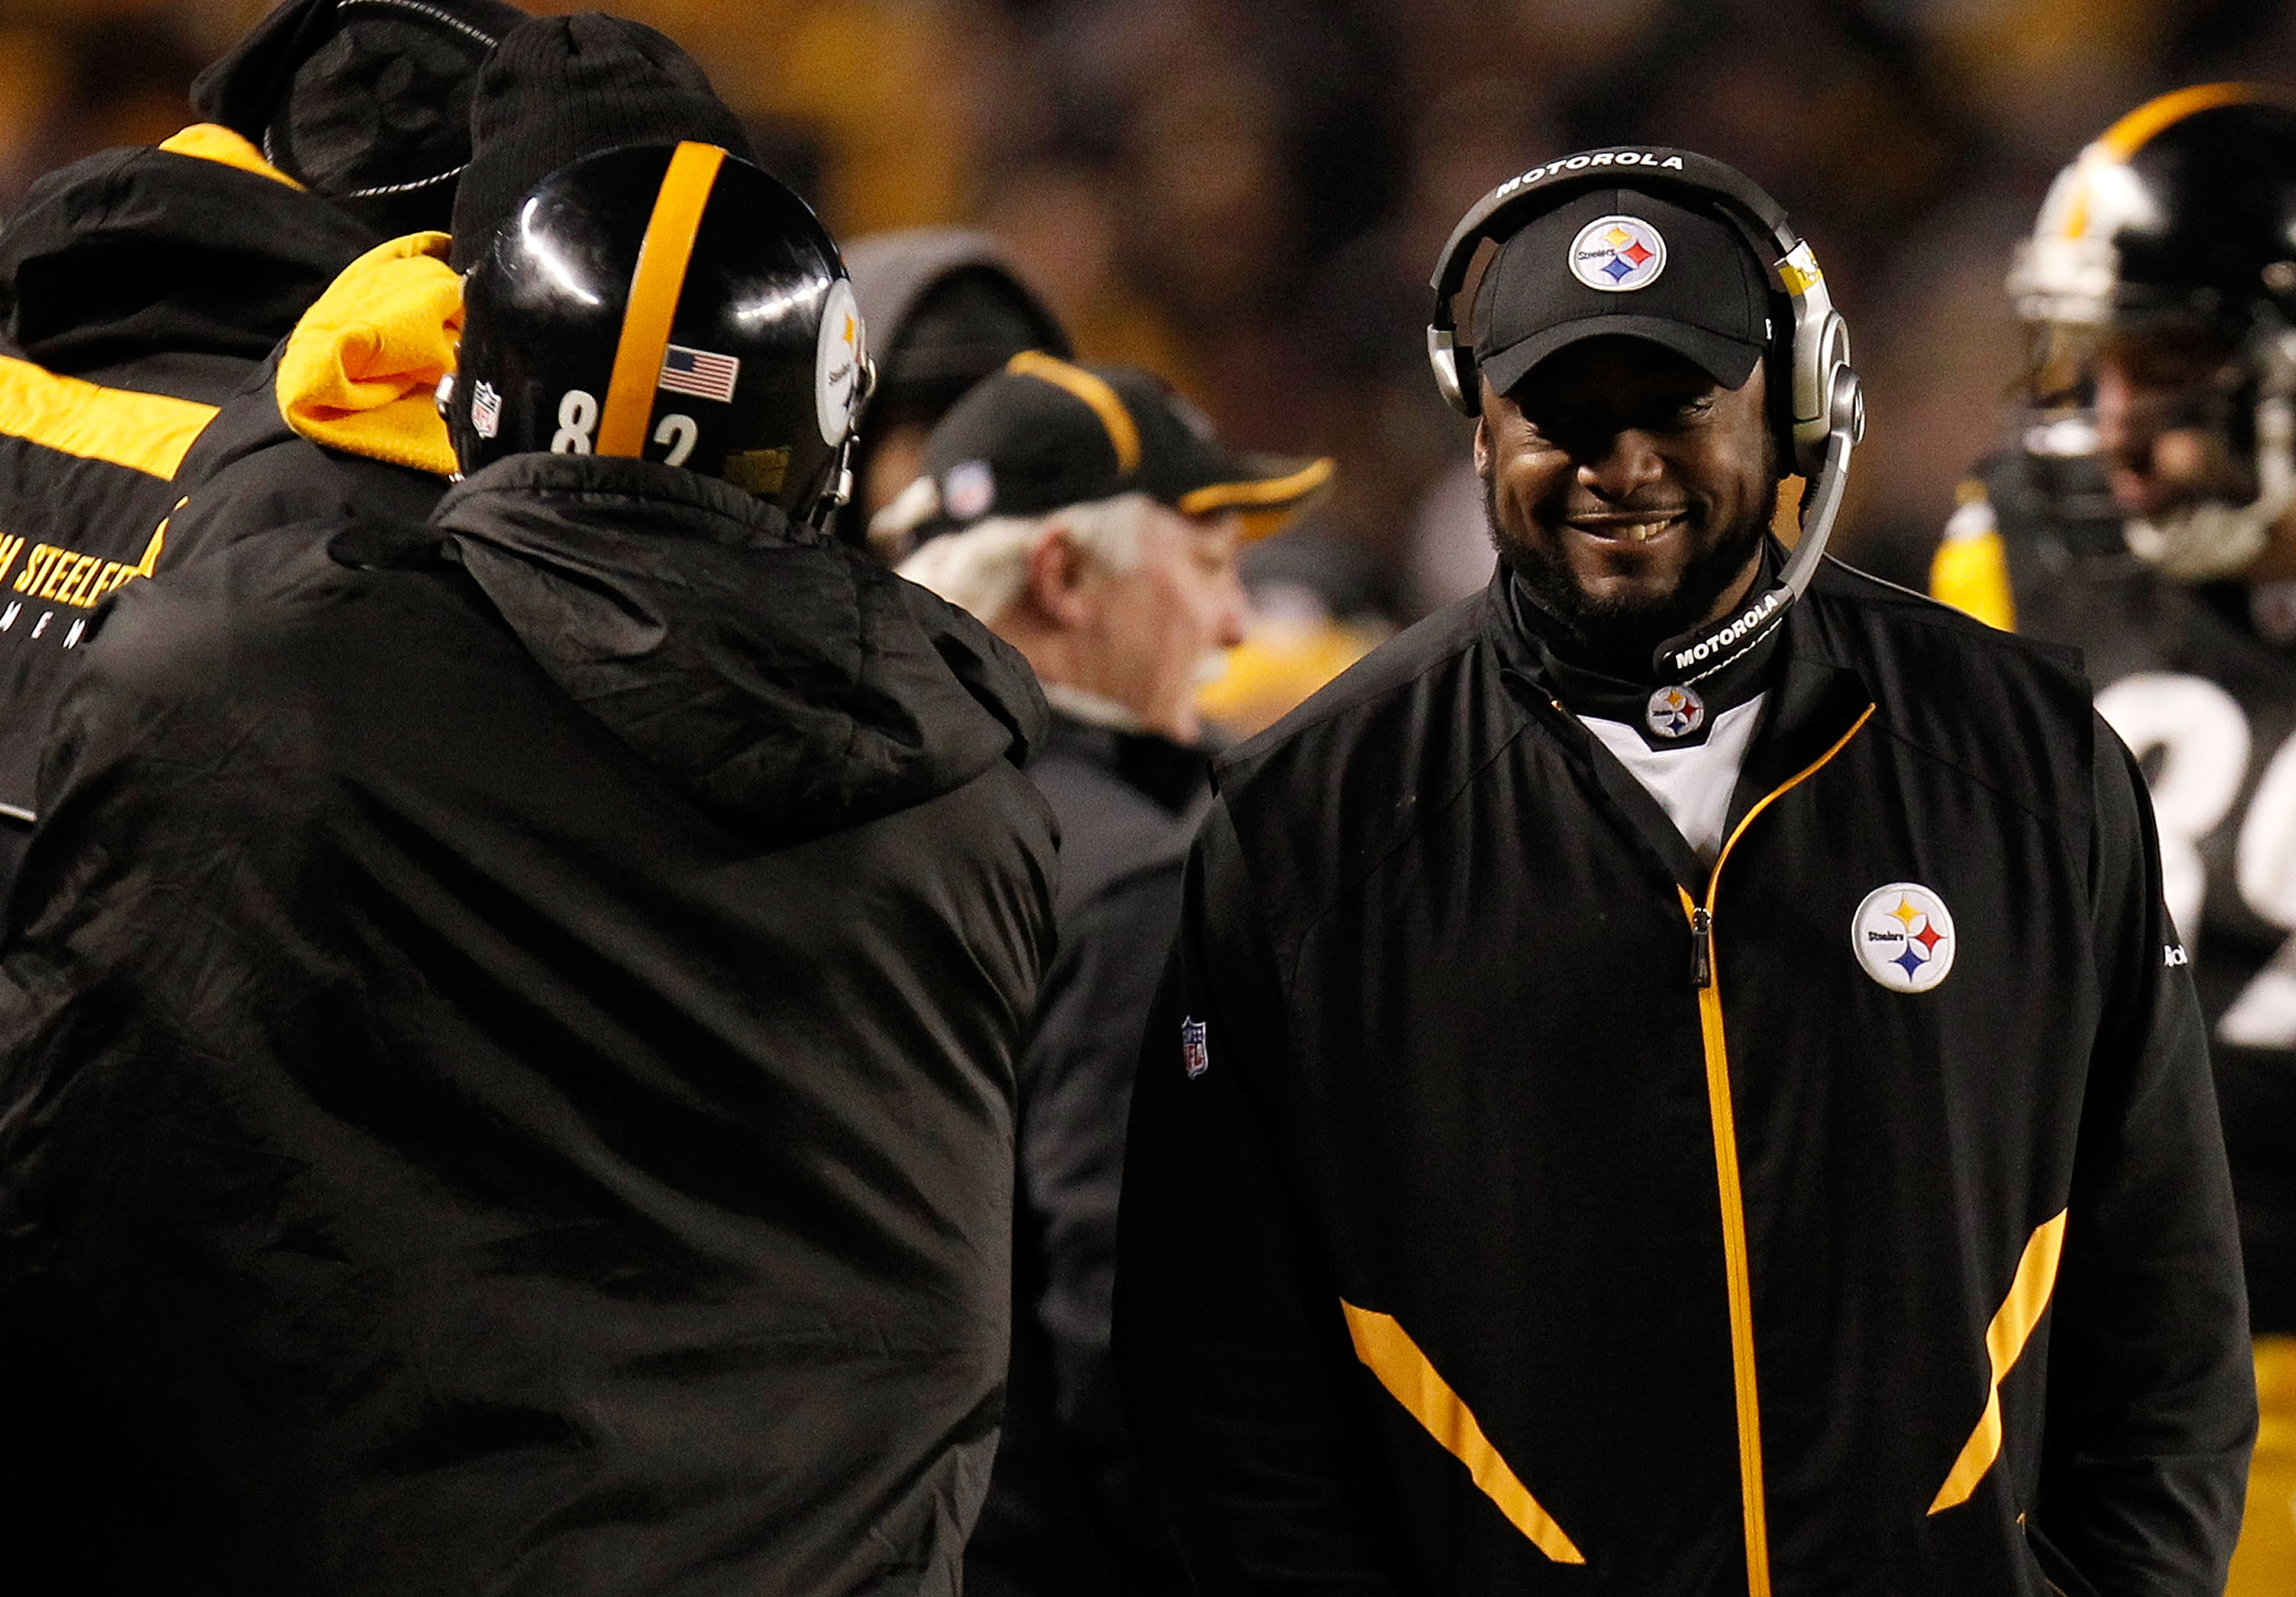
(1828, 408)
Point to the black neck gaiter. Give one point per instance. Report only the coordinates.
(1668, 714)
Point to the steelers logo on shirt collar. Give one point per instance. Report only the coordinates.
(1903, 934)
(1673, 713)
(1616, 254)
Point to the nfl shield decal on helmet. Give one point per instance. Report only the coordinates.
(1675, 712)
(1616, 254)
(1903, 936)
(485, 409)
(1191, 1048)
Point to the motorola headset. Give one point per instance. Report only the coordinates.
(1827, 411)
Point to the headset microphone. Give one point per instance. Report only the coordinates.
(1824, 417)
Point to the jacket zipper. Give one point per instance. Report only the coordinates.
(1738, 1276)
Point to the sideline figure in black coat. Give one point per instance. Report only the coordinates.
(1676, 1078)
(1084, 514)
(507, 1032)
(141, 287)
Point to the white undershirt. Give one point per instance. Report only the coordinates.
(1692, 784)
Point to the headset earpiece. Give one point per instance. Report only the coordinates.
(1455, 372)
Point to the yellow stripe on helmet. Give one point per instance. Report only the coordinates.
(2138, 128)
(2155, 117)
(663, 257)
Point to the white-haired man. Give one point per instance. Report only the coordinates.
(1090, 518)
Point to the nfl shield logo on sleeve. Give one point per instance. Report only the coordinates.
(1191, 1048)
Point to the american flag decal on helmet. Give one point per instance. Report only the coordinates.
(699, 372)
(1191, 1048)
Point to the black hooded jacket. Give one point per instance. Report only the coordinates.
(509, 1030)
(1515, 1205)
(368, 101)
(140, 287)
(164, 273)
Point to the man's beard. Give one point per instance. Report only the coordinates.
(1619, 635)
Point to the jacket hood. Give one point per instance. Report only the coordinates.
(780, 679)
(366, 101)
(197, 247)
(895, 273)
(361, 371)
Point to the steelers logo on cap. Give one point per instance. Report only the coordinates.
(1903, 934)
(1615, 254)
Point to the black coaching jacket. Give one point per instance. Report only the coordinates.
(507, 1032)
(1513, 1205)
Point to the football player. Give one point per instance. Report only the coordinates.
(2145, 514)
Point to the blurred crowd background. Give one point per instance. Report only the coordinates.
(1248, 195)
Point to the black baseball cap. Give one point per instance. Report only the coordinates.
(1622, 262)
(1045, 433)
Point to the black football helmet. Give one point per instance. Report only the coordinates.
(2179, 220)
(674, 304)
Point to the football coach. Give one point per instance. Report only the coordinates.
(1676, 1076)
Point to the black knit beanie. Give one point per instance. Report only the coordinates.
(366, 102)
(559, 88)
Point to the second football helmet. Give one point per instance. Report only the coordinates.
(674, 304)
(2180, 220)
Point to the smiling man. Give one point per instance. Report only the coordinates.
(1676, 1077)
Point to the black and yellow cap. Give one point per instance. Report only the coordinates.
(1045, 433)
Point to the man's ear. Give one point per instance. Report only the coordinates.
(1056, 578)
(1483, 446)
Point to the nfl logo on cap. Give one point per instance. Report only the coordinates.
(970, 490)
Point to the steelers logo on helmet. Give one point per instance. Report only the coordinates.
(1616, 254)
(1903, 936)
(837, 368)
(1675, 712)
